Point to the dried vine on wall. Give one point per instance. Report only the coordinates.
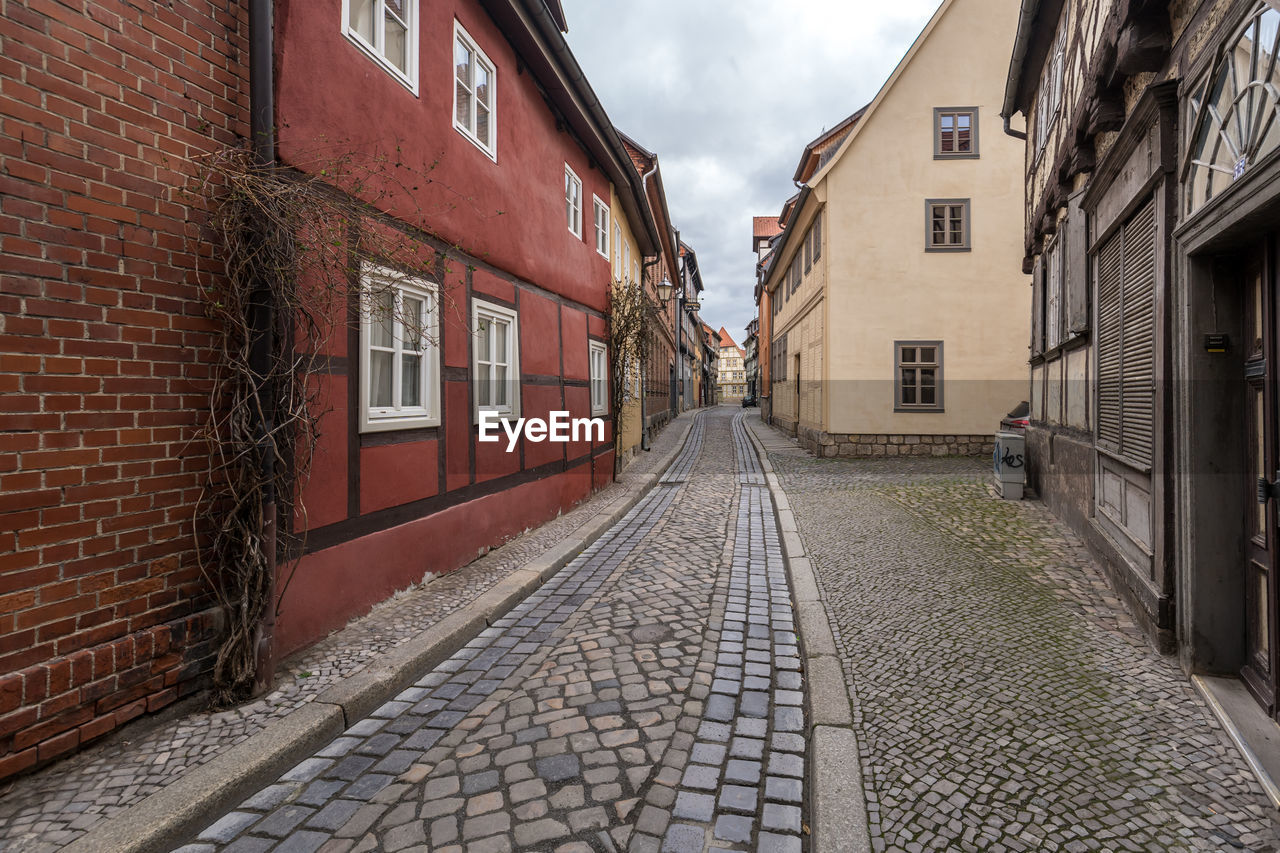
(630, 313)
(285, 245)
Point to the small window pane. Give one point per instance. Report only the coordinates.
(500, 341)
(927, 397)
(482, 124)
(462, 64)
(482, 84)
(486, 340)
(908, 394)
(396, 47)
(926, 377)
(908, 355)
(362, 18)
(411, 380)
(412, 323)
(383, 320)
(928, 355)
(500, 385)
(381, 367)
(483, 395)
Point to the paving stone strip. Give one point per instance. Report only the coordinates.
(49, 809)
(744, 783)
(1003, 700)
(647, 698)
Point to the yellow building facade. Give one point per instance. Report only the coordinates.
(899, 312)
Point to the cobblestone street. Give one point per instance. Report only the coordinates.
(648, 697)
(1003, 700)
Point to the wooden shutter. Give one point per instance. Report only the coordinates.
(1126, 276)
(1037, 307)
(1110, 273)
(1138, 396)
(1076, 258)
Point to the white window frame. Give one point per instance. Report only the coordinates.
(1054, 294)
(488, 310)
(618, 272)
(573, 207)
(407, 78)
(479, 57)
(383, 418)
(1049, 98)
(600, 217)
(627, 265)
(598, 355)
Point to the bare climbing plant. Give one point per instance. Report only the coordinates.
(630, 313)
(278, 252)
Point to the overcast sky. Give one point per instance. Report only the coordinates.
(728, 93)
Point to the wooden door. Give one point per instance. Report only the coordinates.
(797, 395)
(1260, 369)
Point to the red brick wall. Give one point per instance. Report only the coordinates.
(103, 364)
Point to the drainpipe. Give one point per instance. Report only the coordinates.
(675, 404)
(262, 326)
(1016, 134)
(644, 389)
(1027, 12)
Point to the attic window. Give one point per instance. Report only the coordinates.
(955, 133)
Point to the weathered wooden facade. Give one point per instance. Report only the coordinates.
(1152, 208)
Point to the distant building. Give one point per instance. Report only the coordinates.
(732, 378)
(751, 364)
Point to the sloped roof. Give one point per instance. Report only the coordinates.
(818, 152)
(765, 226)
(865, 114)
(726, 340)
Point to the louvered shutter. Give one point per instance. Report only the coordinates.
(1139, 326)
(1110, 272)
(1076, 258)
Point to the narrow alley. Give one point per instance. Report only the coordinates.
(648, 696)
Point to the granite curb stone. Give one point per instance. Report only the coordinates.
(837, 805)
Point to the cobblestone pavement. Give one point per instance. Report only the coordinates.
(647, 698)
(49, 809)
(1003, 699)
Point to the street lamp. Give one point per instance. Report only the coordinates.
(664, 290)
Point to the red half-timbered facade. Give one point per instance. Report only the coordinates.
(484, 100)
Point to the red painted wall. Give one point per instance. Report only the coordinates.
(387, 509)
(326, 591)
(334, 100)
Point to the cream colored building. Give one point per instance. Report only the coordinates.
(731, 375)
(899, 312)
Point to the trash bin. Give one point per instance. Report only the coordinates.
(1010, 465)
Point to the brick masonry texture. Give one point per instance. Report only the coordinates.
(103, 356)
(49, 809)
(646, 698)
(1004, 700)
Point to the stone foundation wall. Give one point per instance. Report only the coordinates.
(871, 445)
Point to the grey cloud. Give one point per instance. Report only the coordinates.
(728, 92)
